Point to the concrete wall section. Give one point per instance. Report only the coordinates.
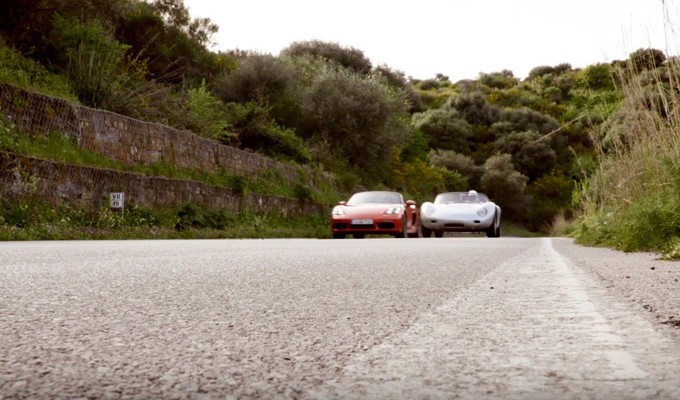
(87, 187)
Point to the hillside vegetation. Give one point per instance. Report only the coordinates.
(527, 143)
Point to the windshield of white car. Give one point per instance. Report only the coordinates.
(461, 197)
(375, 198)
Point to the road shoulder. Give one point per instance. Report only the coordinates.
(652, 285)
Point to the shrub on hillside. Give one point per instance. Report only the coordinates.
(258, 132)
(545, 69)
(505, 186)
(444, 128)
(207, 115)
(460, 163)
(531, 156)
(397, 79)
(475, 109)
(597, 77)
(428, 84)
(258, 77)
(523, 120)
(347, 57)
(649, 58)
(499, 80)
(551, 194)
(359, 117)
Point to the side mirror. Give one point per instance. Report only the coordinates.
(411, 203)
(343, 203)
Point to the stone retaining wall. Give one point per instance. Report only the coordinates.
(88, 187)
(133, 141)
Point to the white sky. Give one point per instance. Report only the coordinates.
(458, 38)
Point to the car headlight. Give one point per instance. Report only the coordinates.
(482, 212)
(393, 210)
(428, 209)
(338, 211)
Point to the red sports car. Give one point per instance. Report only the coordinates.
(377, 213)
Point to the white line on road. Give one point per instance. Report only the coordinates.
(537, 326)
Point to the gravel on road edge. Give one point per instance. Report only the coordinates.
(641, 278)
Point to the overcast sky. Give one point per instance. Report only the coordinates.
(458, 38)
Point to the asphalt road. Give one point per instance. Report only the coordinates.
(376, 318)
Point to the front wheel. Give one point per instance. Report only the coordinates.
(494, 231)
(403, 233)
(359, 235)
(424, 232)
(338, 236)
(438, 234)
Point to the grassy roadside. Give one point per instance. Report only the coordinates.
(60, 148)
(33, 219)
(631, 200)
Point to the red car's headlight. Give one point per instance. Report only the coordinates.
(338, 211)
(393, 210)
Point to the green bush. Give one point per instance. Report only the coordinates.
(453, 180)
(303, 192)
(208, 115)
(239, 184)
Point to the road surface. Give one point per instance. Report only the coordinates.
(465, 318)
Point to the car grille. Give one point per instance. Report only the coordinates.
(454, 225)
(364, 227)
(340, 225)
(386, 225)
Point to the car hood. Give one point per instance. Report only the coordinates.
(368, 210)
(459, 209)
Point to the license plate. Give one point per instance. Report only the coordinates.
(362, 222)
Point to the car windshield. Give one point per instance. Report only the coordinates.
(375, 198)
(461, 197)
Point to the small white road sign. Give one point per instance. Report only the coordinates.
(117, 200)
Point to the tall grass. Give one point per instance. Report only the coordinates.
(632, 201)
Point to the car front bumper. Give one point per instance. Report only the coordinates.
(458, 224)
(385, 225)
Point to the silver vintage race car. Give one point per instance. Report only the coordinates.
(460, 212)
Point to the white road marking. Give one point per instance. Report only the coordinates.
(535, 327)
